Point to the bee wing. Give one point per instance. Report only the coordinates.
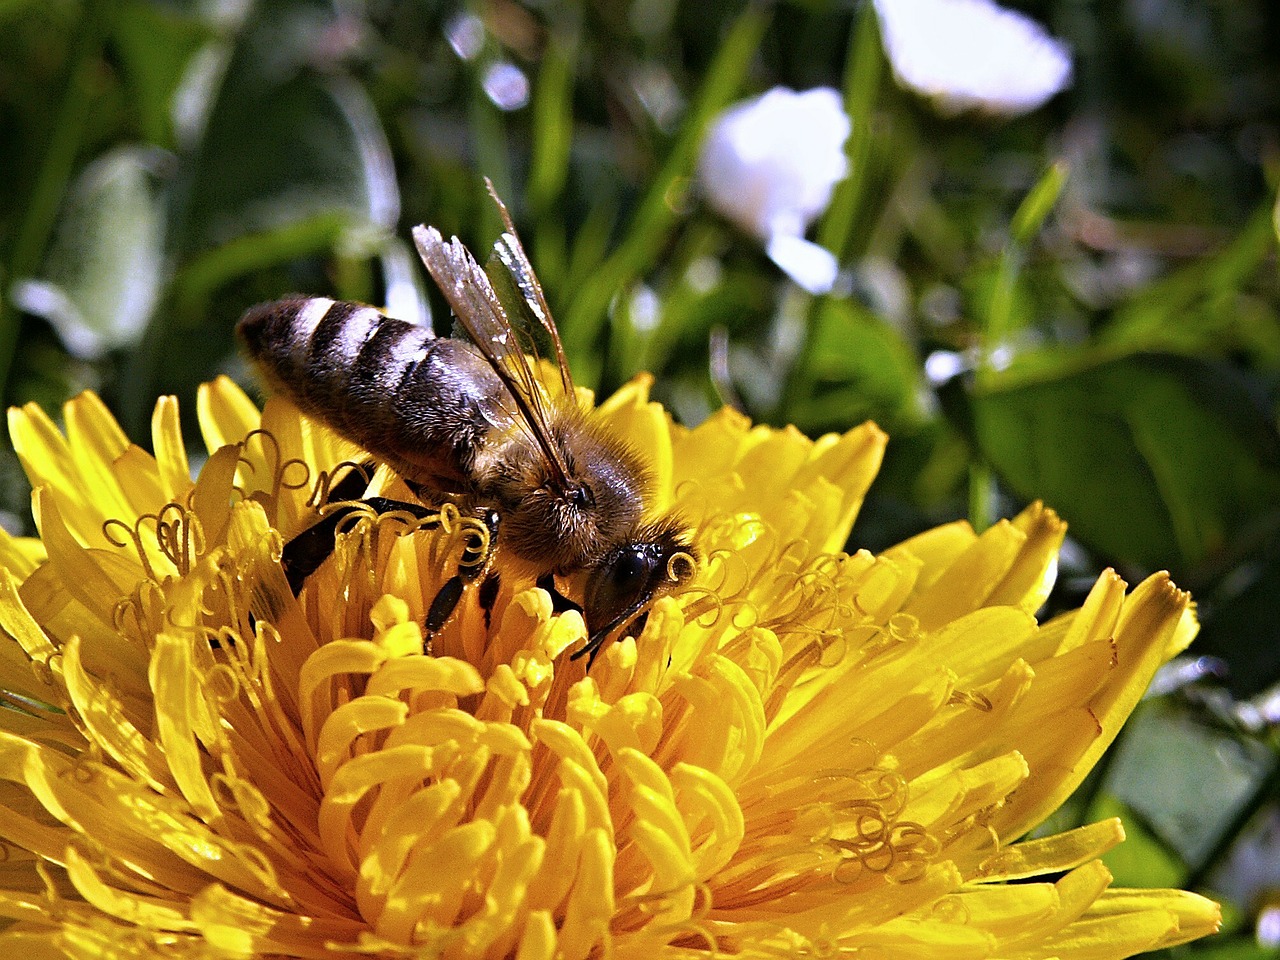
(477, 307)
(510, 252)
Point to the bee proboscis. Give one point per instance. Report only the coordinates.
(469, 422)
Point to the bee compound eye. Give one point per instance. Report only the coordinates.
(617, 584)
(631, 568)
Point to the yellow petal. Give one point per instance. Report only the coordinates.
(225, 413)
(1062, 851)
(171, 453)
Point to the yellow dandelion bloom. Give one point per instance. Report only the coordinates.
(803, 753)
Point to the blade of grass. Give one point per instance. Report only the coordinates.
(196, 282)
(552, 124)
(863, 68)
(1027, 220)
(55, 170)
(657, 213)
(552, 129)
(490, 130)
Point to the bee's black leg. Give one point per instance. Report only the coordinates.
(487, 596)
(589, 650)
(559, 602)
(473, 565)
(442, 607)
(595, 643)
(303, 555)
(353, 485)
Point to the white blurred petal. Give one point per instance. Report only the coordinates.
(973, 54)
(770, 164)
(102, 274)
(812, 267)
(645, 309)
(941, 365)
(50, 301)
(1268, 931)
(403, 297)
(506, 85)
(465, 33)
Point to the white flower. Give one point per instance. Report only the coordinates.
(770, 165)
(973, 54)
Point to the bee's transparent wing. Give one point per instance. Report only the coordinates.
(477, 307)
(509, 251)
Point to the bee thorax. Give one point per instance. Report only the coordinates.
(561, 526)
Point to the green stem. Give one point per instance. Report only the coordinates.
(489, 128)
(552, 124)
(1027, 220)
(981, 496)
(1000, 310)
(863, 68)
(792, 347)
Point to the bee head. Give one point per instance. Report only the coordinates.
(656, 559)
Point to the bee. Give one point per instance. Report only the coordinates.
(469, 422)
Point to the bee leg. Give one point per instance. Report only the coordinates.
(595, 643)
(303, 555)
(487, 596)
(473, 566)
(442, 607)
(559, 602)
(592, 647)
(353, 485)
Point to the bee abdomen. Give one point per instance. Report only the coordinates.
(423, 403)
(341, 360)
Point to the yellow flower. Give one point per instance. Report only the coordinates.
(804, 753)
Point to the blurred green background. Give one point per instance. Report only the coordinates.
(1078, 305)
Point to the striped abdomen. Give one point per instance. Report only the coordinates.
(421, 402)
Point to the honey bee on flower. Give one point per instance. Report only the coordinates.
(468, 424)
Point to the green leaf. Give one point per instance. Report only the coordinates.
(863, 68)
(205, 273)
(552, 123)
(1142, 860)
(1244, 628)
(1200, 307)
(1156, 460)
(1234, 948)
(857, 367)
(284, 144)
(1186, 780)
(155, 43)
(658, 210)
(1275, 217)
(1002, 319)
(102, 275)
(1037, 204)
(12, 8)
